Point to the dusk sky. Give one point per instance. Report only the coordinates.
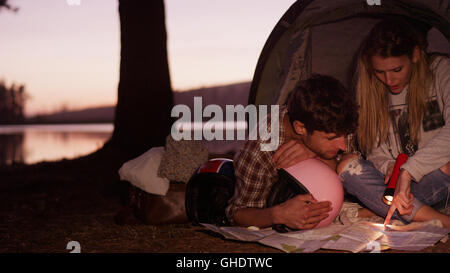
(69, 54)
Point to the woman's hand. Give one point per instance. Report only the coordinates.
(388, 175)
(403, 198)
(290, 153)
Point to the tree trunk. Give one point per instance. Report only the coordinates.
(145, 100)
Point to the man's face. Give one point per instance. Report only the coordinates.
(325, 145)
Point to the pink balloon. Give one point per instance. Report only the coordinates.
(322, 182)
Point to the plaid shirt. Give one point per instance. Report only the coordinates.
(256, 173)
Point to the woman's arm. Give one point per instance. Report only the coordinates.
(436, 152)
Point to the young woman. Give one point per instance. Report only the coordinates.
(404, 99)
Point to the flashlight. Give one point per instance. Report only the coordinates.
(388, 194)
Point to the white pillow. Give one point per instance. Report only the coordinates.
(142, 172)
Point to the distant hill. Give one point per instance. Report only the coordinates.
(221, 95)
(90, 115)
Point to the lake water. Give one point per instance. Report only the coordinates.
(34, 143)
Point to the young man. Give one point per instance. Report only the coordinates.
(319, 115)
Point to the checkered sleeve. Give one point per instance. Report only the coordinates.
(254, 178)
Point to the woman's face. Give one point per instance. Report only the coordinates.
(394, 72)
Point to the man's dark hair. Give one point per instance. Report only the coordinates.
(322, 103)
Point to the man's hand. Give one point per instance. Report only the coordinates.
(403, 198)
(290, 153)
(302, 212)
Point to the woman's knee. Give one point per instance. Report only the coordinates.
(345, 162)
(433, 188)
(359, 175)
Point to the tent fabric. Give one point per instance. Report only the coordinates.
(322, 36)
(297, 62)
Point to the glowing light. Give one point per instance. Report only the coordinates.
(389, 198)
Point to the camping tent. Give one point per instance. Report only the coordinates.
(323, 36)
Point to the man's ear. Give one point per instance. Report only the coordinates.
(299, 128)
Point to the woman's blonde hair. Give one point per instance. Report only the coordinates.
(390, 38)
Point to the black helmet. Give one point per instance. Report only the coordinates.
(309, 176)
(208, 192)
(286, 188)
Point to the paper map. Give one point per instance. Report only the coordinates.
(358, 236)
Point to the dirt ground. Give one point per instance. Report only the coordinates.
(45, 206)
